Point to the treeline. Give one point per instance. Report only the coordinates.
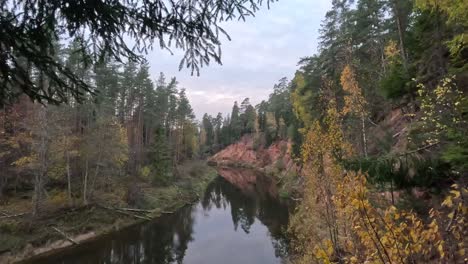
(129, 125)
(268, 121)
(377, 58)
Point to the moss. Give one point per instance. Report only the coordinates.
(284, 194)
(190, 184)
(192, 179)
(9, 227)
(9, 242)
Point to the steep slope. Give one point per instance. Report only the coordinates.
(243, 153)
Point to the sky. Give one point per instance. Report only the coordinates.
(262, 50)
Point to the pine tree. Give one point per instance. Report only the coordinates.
(185, 117)
(218, 123)
(236, 123)
(106, 24)
(209, 130)
(160, 159)
(250, 119)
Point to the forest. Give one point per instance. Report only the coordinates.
(381, 107)
(134, 126)
(269, 121)
(376, 121)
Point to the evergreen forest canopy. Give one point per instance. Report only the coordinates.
(131, 126)
(382, 105)
(30, 31)
(269, 121)
(382, 64)
(374, 57)
(381, 108)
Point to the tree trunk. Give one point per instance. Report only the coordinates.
(364, 135)
(391, 191)
(37, 197)
(96, 172)
(401, 30)
(42, 160)
(70, 201)
(85, 184)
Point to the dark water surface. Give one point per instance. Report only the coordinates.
(238, 221)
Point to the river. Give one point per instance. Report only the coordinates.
(239, 219)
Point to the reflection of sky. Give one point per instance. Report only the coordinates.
(263, 50)
(216, 241)
(195, 235)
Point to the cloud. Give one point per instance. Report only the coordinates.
(263, 50)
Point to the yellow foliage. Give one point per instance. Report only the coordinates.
(300, 97)
(145, 172)
(355, 103)
(392, 51)
(371, 235)
(26, 161)
(58, 198)
(442, 109)
(336, 221)
(122, 156)
(457, 12)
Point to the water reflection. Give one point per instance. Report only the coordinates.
(237, 221)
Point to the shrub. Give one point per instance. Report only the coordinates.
(396, 83)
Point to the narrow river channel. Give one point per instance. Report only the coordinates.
(238, 220)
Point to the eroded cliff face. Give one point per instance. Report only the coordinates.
(394, 127)
(244, 154)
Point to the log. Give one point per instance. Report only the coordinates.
(135, 210)
(420, 149)
(397, 134)
(11, 216)
(65, 235)
(117, 210)
(134, 215)
(372, 122)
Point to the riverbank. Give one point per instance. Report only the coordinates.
(64, 225)
(287, 182)
(275, 161)
(233, 215)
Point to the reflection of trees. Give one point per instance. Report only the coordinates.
(214, 196)
(163, 241)
(166, 240)
(246, 206)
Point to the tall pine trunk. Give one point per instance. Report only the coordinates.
(401, 32)
(69, 189)
(364, 135)
(85, 183)
(41, 159)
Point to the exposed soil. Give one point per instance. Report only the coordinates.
(244, 154)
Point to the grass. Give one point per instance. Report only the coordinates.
(16, 233)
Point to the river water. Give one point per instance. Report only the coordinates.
(238, 220)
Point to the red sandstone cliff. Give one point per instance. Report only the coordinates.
(243, 153)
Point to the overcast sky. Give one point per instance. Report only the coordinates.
(263, 49)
